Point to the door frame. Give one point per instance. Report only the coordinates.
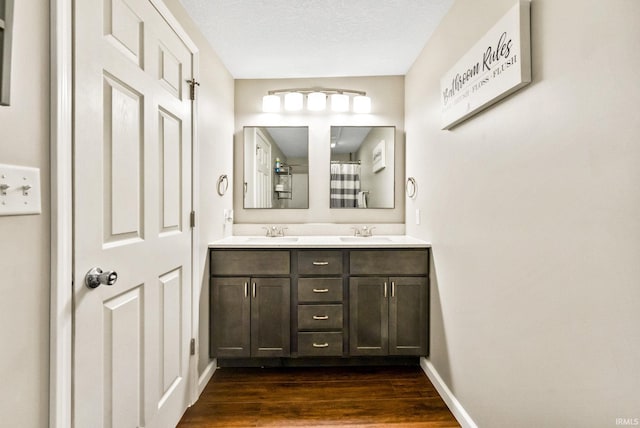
(61, 228)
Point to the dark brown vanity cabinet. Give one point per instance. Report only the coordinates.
(319, 302)
(388, 314)
(250, 314)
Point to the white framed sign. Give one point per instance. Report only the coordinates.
(378, 162)
(497, 65)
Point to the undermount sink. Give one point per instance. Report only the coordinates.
(365, 239)
(273, 240)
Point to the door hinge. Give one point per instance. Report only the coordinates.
(192, 88)
(192, 347)
(192, 219)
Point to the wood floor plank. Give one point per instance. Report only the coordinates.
(310, 374)
(413, 386)
(367, 397)
(221, 415)
(355, 412)
(308, 391)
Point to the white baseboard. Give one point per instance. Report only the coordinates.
(206, 375)
(450, 400)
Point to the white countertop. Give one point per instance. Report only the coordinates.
(321, 241)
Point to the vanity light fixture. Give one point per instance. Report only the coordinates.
(316, 100)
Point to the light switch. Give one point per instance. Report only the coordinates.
(19, 190)
(228, 215)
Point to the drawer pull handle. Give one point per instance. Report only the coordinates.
(321, 317)
(321, 345)
(320, 290)
(246, 289)
(320, 263)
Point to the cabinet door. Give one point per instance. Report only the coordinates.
(230, 317)
(270, 321)
(408, 316)
(369, 316)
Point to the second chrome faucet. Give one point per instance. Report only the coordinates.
(275, 231)
(363, 231)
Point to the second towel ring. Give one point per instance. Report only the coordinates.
(222, 184)
(412, 187)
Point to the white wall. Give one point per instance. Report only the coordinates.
(215, 140)
(533, 208)
(24, 240)
(381, 184)
(387, 99)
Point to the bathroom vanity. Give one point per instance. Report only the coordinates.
(301, 298)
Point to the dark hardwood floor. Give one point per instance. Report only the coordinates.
(369, 397)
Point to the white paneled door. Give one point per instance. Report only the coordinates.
(132, 201)
(257, 169)
(263, 171)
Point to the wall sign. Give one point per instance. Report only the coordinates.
(498, 65)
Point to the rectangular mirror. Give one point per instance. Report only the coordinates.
(362, 167)
(6, 29)
(276, 167)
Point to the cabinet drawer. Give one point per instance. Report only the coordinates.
(320, 262)
(319, 317)
(312, 290)
(328, 344)
(389, 262)
(250, 262)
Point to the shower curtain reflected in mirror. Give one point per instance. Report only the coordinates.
(345, 186)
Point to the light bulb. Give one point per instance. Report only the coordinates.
(271, 104)
(361, 104)
(293, 101)
(316, 101)
(339, 102)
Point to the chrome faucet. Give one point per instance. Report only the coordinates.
(363, 231)
(366, 231)
(275, 231)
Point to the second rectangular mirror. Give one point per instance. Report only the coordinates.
(276, 167)
(362, 167)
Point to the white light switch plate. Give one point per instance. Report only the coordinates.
(19, 190)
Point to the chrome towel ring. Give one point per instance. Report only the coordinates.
(411, 187)
(222, 185)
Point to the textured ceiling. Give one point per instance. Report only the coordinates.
(317, 38)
